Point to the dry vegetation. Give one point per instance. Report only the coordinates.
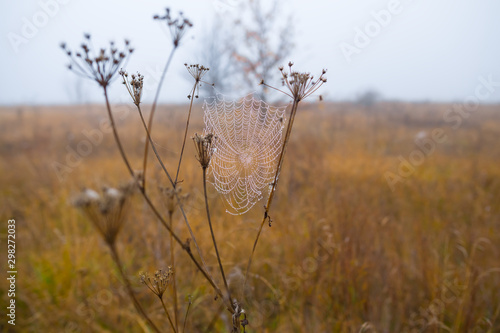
(344, 253)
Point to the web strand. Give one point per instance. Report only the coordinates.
(249, 139)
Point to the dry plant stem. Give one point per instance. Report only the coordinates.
(168, 315)
(185, 247)
(137, 305)
(275, 182)
(213, 236)
(153, 208)
(150, 140)
(174, 283)
(186, 132)
(185, 317)
(115, 133)
(176, 196)
(151, 115)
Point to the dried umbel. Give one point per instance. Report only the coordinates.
(177, 26)
(300, 85)
(100, 66)
(159, 282)
(106, 211)
(134, 84)
(204, 145)
(197, 72)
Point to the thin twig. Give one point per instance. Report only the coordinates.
(168, 315)
(186, 316)
(151, 114)
(115, 133)
(185, 133)
(175, 193)
(153, 146)
(157, 213)
(213, 236)
(137, 305)
(174, 283)
(274, 184)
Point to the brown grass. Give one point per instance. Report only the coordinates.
(344, 253)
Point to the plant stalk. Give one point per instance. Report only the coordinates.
(155, 211)
(174, 283)
(115, 133)
(186, 316)
(152, 113)
(137, 305)
(175, 193)
(213, 236)
(185, 133)
(275, 182)
(168, 315)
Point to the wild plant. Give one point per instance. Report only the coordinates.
(108, 211)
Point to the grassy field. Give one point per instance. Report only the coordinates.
(370, 233)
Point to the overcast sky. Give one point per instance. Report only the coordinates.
(436, 50)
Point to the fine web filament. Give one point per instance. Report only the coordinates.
(249, 139)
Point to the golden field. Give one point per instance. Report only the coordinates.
(345, 252)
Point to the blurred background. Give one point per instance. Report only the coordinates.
(405, 50)
(387, 214)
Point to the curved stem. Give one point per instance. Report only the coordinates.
(168, 315)
(293, 112)
(153, 146)
(174, 283)
(151, 115)
(185, 133)
(137, 305)
(274, 184)
(185, 247)
(213, 236)
(186, 316)
(176, 195)
(115, 133)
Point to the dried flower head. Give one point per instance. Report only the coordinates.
(106, 211)
(101, 66)
(204, 148)
(177, 26)
(159, 282)
(197, 72)
(300, 85)
(169, 197)
(134, 84)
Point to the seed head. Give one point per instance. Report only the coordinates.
(204, 145)
(159, 282)
(134, 84)
(197, 72)
(101, 66)
(107, 211)
(177, 26)
(300, 85)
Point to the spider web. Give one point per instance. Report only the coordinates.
(249, 140)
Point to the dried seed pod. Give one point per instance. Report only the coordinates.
(101, 67)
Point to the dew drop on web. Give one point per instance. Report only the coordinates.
(249, 140)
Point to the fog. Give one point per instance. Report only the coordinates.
(406, 50)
